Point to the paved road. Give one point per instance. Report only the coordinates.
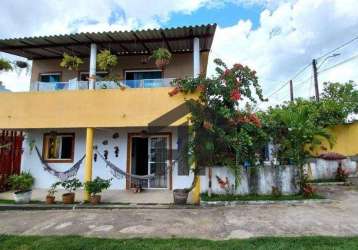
(338, 218)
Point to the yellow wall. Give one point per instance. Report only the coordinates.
(86, 108)
(346, 140)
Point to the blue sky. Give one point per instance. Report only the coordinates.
(225, 16)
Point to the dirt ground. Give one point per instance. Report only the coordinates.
(339, 218)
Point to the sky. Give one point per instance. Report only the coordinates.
(277, 38)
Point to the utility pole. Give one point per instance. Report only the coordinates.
(291, 91)
(315, 76)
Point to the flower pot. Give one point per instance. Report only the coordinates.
(50, 199)
(68, 198)
(22, 196)
(180, 196)
(95, 199)
(161, 63)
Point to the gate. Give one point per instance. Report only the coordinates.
(10, 155)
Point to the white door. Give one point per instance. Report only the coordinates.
(158, 152)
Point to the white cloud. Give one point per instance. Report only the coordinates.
(287, 39)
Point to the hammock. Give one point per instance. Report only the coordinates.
(61, 175)
(118, 173)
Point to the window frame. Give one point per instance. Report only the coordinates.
(58, 73)
(125, 71)
(45, 148)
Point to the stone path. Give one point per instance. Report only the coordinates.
(339, 219)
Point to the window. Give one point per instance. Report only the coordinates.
(50, 77)
(100, 75)
(143, 74)
(58, 147)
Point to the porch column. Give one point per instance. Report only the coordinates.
(196, 191)
(92, 68)
(196, 57)
(88, 160)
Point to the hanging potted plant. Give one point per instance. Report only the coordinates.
(5, 65)
(50, 198)
(70, 186)
(21, 64)
(22, 184)
(162, 57)
(95, 187)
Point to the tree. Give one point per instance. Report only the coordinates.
(223, 132)
(294, 133)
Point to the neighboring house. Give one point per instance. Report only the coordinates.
(137, 129)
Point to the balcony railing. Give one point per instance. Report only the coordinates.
(78, 85)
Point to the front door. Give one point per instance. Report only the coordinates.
(149, 156)
(158, 161)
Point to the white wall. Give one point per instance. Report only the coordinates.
(44, 179)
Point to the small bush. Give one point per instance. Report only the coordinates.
(97, 185)
(71, 185)
(21, 182)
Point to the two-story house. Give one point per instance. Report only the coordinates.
(77, 125)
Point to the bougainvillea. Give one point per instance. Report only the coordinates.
(223, 131)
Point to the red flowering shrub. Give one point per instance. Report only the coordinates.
(219, 134)
(308, 190)
(174, 91)
(235, 95)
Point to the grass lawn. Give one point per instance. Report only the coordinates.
(251, 197)
(77, 242)
(13, 202)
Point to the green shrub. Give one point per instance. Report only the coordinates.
(97, 185)
(5, 65)
(71, 185)
(21, 182)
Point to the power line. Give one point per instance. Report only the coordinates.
(339, 64)
(292, 78)
(339, 47)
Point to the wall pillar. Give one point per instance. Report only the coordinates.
(92, 68)
(88, 160)
(196, 57)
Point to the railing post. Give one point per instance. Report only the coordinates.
(196, 57)
(92, 69)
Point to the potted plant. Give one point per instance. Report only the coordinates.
(5, 65)
(106, 60)
(71, 63)
(22, 185)
(95, 187)
(21, 64)
(70, 186)
(162, 57)
(50, 198)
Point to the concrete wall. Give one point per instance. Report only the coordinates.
(43, 179)
(88, 108)
(260, 181)
(320, 169)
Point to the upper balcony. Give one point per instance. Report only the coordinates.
(104, 103)
(81, 85)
